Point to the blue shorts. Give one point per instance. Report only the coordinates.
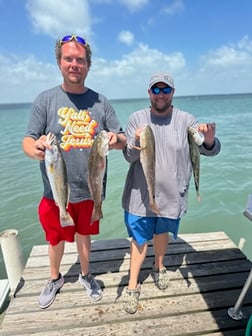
(142, 229)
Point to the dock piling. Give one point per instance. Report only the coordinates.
(13, 257)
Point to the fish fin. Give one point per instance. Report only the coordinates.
(66, 220)
(68, 193)
(103, 164)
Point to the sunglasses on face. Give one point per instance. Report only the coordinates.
(156, 90)
(69, 38)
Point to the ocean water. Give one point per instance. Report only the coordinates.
(225, 182)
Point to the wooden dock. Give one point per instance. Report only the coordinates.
(207, 273)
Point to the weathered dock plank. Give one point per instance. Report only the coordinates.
(207, 274)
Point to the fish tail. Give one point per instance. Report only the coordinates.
(197, 191)
(97, 213)
(66, 220)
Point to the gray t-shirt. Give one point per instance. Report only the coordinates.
(75, 119)
(173, 164)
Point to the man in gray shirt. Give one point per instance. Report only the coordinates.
(173, 170)
(75, 114)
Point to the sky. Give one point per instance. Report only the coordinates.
(205, 45)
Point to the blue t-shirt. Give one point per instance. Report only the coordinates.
(75, 119)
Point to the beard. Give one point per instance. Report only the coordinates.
(161, 106)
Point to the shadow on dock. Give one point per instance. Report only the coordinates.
(207, 273)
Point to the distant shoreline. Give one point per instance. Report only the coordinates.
(28, 104)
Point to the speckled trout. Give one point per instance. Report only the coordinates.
(148, 161)
(96, 170)
(56, 172)
(195, 139)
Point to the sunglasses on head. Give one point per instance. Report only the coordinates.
(156, 90)
(75, 38)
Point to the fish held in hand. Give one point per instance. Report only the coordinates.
(57, 175)
(96, 171)
(195, 139)
(148, 162)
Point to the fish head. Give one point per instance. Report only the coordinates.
(147, 137)
(147, 130)
(53, 154)
(103, 143)
(197, 136)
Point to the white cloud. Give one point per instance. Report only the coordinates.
(56, 18)
(129, 76)
(224, 70)
(126, 37)
(175, 7)
(102, 1)
(23, 78)
(141, 61)
(245, 44)
(226, 57)
(134, 5)
(229, 56)
(119, 78)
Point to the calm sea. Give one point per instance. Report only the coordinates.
(226, 180)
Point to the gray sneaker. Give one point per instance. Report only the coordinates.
(91, 285)
(48, 294)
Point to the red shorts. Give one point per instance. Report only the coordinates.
(80, 212)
